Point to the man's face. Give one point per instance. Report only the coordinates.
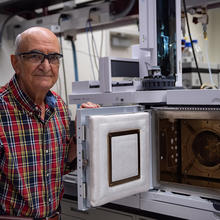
(36, 77)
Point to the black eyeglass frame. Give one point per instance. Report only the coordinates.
(45, 56)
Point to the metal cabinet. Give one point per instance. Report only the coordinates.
(113, 154)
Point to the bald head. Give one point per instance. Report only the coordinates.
(32, 34)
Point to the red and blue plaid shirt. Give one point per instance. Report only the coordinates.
(32, 153)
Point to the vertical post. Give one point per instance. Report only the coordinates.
(105, 77)
(178, 45)
(148, 36)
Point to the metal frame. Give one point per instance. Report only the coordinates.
(178, 45)
(148, 35)
(121, 133)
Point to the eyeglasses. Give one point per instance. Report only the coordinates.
(38, 57)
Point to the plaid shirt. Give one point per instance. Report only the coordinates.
(32, 153)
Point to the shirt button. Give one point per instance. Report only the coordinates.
(49, 199)
(47, 151)
(47, 174)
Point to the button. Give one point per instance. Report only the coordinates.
(49, 199)
(47, 174)
(47, 151)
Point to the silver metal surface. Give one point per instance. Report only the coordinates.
(177, 205)
(115, 98)
(193, 97)
(148, 36)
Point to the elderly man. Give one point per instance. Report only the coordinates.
(35, 147)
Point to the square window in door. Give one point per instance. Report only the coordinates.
(124, 147)
(127, 136)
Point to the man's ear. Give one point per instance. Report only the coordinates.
(14, 63)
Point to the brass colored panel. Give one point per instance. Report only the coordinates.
(190, 150)
(201, 151)
(169, 150)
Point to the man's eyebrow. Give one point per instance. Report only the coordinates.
(35, 51)
(38, 51)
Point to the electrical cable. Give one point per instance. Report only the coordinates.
(94, 47)
(75, 64)
(101, 44)
(94, 57)
(94, 43)
(64, 71)
(89, 50)
(75, 60)
(209, 67)
(82, 52)
(190, 37)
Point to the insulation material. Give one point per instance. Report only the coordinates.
(119, 156)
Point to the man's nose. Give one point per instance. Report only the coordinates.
(45, 64)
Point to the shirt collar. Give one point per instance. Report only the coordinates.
(25, 101)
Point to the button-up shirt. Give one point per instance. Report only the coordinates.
(33, 152)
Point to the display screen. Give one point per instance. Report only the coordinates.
(123, 68)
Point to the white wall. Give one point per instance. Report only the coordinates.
(129, 32)
(83, 60)
(214, 35)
